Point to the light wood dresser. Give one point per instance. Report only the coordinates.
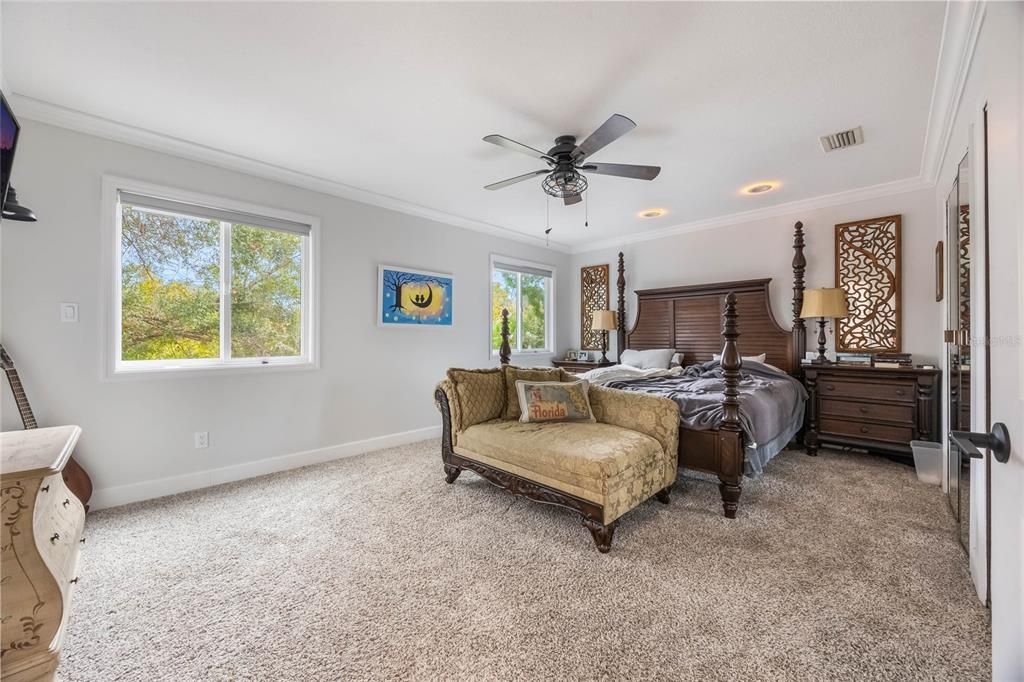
(42, 531)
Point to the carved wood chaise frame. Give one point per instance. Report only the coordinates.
(686, 318)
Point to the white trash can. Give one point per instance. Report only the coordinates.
(927, 461)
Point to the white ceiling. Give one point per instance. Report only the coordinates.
(395, 98)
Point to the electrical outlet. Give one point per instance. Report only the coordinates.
(202, 439)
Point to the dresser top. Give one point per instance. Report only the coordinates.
(34, 453)
(867, 369)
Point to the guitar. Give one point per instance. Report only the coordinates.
(75, 477)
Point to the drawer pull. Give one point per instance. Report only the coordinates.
(830, 387)
(74, 581)
(45, 488)
(864, 429)
(82, 540)
(863, 410)
(54, 538)
(900, 392)
(66, 502)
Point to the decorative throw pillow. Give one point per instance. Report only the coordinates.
(554, 401)
(656, 358)
(514, 374)
(480, 392)
(746, 358)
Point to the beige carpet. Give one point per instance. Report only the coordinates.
(839, 567)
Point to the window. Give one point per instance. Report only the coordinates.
(203, 287)
(527, 291)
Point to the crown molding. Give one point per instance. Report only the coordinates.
(789, 208)
(63, 117)
(79, 121)
(960, 30)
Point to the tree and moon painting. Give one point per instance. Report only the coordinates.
(414, 297)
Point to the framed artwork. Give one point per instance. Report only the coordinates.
(939, 270)
(593, 296)
(413, 297)
(571, 354)
(868, 270)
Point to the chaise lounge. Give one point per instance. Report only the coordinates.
(600, 469)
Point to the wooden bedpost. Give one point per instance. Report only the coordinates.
(505, 350)
(799, 266)
(730, 432)
(620, 332)
(731, 363)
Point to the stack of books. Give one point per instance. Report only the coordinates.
(862, 359)
(893, 360)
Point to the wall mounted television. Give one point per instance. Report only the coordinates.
(9, 130)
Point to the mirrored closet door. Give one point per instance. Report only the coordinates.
(958, 341)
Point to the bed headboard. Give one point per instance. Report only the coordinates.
(689, 319)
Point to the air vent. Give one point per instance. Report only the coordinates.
(842, 139)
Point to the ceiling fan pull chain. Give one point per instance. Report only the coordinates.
(547, 220)
(586, 209)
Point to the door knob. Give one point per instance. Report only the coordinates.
(998, 441)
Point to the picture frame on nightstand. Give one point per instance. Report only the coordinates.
(583, 356)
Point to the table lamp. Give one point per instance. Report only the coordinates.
(604, 321)
(824, 304)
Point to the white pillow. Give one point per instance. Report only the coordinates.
(746, 358)
(658, 358)
(677, 360)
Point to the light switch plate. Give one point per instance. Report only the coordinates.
(69, 312)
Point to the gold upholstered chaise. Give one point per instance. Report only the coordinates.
(599, 469)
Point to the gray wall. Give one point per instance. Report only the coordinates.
(764, 248)
(372, 382)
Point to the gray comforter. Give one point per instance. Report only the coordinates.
(771, 404)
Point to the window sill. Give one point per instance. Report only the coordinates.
(189, 371)
(526, 353)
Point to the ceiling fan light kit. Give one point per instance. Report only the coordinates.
(563, 179)
(564, 184)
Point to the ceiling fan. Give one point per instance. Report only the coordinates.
(566, 159)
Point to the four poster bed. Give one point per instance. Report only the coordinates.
(686, 318)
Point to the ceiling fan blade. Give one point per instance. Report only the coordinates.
(505, 142)
(518, 178)
(615, 127)
(571, 199)
(622, 170)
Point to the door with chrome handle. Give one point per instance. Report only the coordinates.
(998, 441)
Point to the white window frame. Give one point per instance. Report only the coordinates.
(549, 307)
(116, 368)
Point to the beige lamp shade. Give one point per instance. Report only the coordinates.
(603, 321)
(830, 303)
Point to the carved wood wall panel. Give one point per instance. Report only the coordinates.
(964, 246)
(593, 296)
(868, 269)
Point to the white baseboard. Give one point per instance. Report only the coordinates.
(104, 498)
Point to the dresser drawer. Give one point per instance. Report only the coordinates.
(844, 388)
(866, 431)
(575, 369)
(867, 411)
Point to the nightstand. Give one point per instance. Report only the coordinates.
(577, 367)
(877, 409)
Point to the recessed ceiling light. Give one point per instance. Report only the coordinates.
(652, 213)
(760, 187)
